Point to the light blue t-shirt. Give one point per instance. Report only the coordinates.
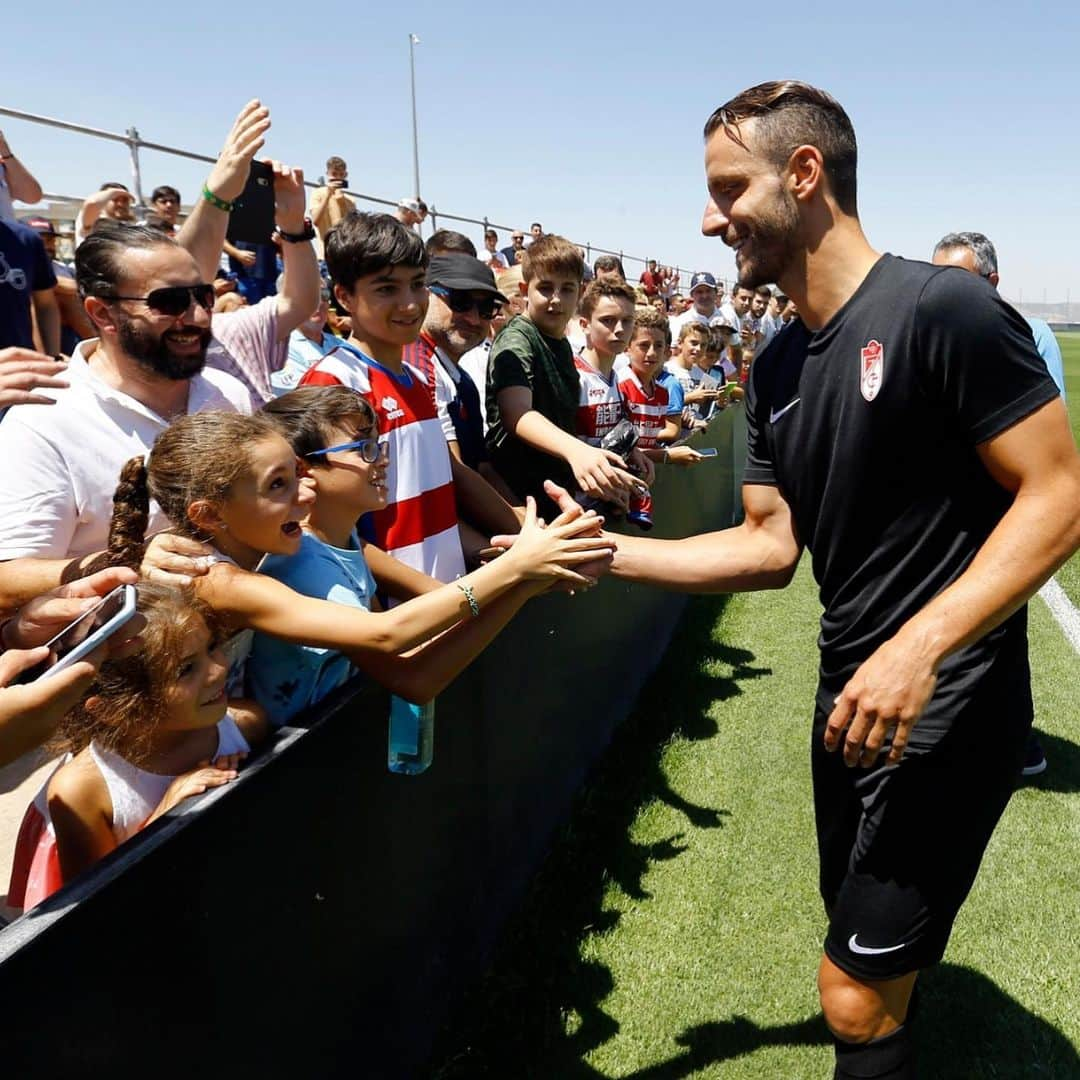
(1050, 351)
(286, 678)
(674, 389)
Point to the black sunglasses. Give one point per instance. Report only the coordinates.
(174, 300)
(460, 302)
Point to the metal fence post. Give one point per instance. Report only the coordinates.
(133, 147)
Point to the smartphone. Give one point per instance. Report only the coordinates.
(252, 218)
(85, 634)
(708, 451)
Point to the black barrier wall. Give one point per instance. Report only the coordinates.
(318, 917)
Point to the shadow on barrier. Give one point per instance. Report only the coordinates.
(539, 985)
(319, 916)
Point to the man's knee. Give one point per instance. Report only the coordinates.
(855, 1012)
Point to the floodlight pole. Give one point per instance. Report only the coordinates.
(414, 41)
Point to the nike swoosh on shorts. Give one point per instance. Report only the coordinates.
(864, 950)
(775, 415)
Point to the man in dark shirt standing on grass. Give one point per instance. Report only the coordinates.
(907, 433)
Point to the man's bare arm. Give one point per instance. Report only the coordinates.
(761, 553)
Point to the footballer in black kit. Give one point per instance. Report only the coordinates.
(906, 432)
(868, 428)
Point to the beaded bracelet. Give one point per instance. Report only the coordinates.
(213, 200)
(474, 605)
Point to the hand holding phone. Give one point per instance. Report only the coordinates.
(83, 636)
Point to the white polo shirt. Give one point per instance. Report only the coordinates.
(61, 463)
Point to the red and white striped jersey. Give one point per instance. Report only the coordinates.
(647, 411)
(599, 404)
(419, 524)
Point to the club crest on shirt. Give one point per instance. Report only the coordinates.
(393, 410)
(872, 370)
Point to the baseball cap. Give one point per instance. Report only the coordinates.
(41, 225)
(411, 204)
(459, 271)
(702, 277)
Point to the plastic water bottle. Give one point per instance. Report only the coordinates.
(412, 736)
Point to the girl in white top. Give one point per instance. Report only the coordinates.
(152, 731)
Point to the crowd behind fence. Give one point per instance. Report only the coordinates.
(136, 143)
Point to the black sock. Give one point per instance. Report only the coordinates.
(891, 1057)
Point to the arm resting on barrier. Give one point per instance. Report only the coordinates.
(761, 553)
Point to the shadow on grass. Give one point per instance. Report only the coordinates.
(537, 1012)
(1062, 766)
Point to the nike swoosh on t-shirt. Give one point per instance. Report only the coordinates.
(864, 950)
(775, 414)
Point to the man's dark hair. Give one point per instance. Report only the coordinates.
(100, 258)
(114, 184)
(609, 262)
(162, 190)
(790, 114)
(537, 225)
(336, 163)
(362, 243)
(446, 242)
(763, 290)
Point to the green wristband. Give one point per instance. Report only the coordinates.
(213, 200)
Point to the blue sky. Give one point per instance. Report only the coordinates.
(965, 112)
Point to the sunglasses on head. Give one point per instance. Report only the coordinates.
(369, 449)
(459, 302)
(174, 300)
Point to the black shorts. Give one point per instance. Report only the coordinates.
(899, 846)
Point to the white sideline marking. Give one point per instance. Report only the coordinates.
(1061, 607)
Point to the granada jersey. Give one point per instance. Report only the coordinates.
(599, 403)
(869, 427)
(419, 523)
(647, 410)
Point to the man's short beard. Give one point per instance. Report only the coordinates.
(153, 352)
(774, 243)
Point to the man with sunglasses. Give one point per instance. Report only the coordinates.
(146, 297)
(463, 301)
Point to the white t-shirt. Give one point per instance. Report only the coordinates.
(495, 259)
(447, 377)
(63, 460)
(475, 364)
(692, 315)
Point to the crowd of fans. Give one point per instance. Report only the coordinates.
(300, 450)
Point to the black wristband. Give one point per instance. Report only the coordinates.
(296, 238)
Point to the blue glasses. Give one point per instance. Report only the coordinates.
(369, 449)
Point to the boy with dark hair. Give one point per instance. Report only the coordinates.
(645, 400)
(377, 265)
(533, 388)
(449, 242)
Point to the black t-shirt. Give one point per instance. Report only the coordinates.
(869, 428)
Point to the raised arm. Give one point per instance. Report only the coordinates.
(299, 295)
(21, 182)
(203, 233)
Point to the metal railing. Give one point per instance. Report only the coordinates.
(135, 142)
